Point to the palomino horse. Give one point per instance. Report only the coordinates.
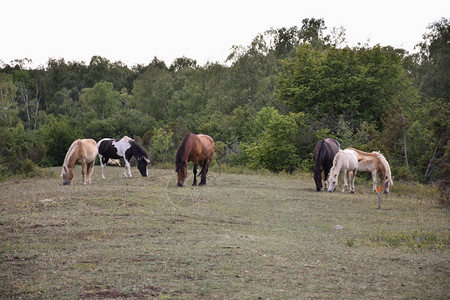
(324, 153)
(375, 162)
(83, 152)
(345, 161)
(199, 149)
(110, 149)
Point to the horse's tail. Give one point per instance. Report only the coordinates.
(319, 160)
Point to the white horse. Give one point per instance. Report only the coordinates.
(345, 161)
(375, 162)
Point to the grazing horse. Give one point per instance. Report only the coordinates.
(324, 153)
(125, 147)
(83, 152)
(345, 161)
(199, 149)
(375, 162)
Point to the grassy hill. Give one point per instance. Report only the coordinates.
(242, 236)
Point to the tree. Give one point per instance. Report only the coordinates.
(152, 92)
(58, 134)
(276, 150)
(8, 101)
(161, 141)
(358, 84)
(101, 101)
(433, 74)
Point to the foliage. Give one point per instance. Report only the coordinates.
(100, 101)
(266, 107)
(20, 151)
(275, 150)
(161, 142)
(355, 83)
(57, 135)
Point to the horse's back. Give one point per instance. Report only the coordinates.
(207, 145)
(352, 157)
(333, 144)
(347, 159)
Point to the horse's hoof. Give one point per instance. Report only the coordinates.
(352, 192)
(202, 183)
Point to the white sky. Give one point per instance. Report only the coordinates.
(135, 31)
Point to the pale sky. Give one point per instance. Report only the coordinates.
(135, 31)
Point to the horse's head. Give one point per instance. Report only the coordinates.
(181, 169)
(387, 184)
(332, 181)
(143, 166)
(318, 179)
(67, 175)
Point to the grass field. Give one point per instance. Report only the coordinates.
(253, 236)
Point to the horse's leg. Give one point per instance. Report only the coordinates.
(90, 170)
(344, 180)
(127, 167)
(103, 169)
(204, 171)
(374, 180)
(352, 181)
(195, 174)
(83, 171)
(103, 162)
(325, 180)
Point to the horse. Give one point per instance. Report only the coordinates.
(375, 162)
(126, 147)
(345, 161)
(84, 152)
(199, 149)
(324, 153)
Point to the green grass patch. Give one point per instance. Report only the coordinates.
(415, 240)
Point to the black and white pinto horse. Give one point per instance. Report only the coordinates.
(125, 147)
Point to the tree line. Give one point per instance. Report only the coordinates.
(266, 106)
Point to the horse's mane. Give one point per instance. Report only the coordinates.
(180, 151)
(386, 166)
(335, 159)
(138, 150)
(69, 154)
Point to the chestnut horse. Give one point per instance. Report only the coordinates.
(83, 152)
(375, 162)
(324, 153)
(345, 161)
(199, 149)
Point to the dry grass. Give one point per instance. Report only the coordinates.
(242, 236)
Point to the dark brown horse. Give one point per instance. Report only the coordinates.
(199, 149)
(324, 153)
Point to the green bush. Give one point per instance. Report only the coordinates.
(57, 135)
